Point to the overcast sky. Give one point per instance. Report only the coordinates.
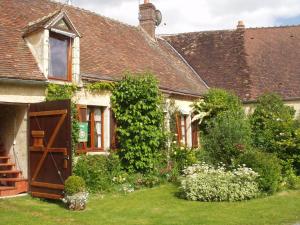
(196, 15)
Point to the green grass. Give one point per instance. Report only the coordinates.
(153, 206)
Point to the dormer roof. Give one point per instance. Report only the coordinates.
(57, 21)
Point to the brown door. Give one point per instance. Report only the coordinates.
(50, 151)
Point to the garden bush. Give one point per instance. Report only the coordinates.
(275, 130)
(290, 180)
(137, 105)
(74, 185)
(203, 182)
(98, 171)
(228, 136)
(268, 167)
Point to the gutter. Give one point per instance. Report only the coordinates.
(165, 90)
(284, 99)
(20, 81)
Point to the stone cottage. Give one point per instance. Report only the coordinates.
(44, 42)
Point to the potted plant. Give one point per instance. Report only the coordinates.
(75, 193)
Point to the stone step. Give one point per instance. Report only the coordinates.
(9, 172)
(6, 164)
(18, 188)
(5, 157)
(12, 179)
(5, 188)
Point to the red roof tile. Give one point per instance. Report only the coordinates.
(248, 61)
(108, 48)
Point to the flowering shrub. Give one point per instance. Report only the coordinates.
(76, 195)
(77, 201)
(126, 188)
(203, 182)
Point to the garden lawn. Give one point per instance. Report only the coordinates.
(153, 206)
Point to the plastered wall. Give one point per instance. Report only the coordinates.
(12, 93)
(13, 134)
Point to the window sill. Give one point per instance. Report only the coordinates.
(58, 81)
(84, 151)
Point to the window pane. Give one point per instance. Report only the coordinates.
(58, 66)
(97, 134)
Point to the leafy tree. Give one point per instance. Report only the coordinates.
(136, 102)
(212, 104)
(274, 128)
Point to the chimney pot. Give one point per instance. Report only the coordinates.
(147, 18)
(240, 25)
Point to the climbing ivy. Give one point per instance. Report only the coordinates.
(61, 92)
(137, 104)
(97, 87)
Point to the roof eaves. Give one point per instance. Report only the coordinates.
(94, 78)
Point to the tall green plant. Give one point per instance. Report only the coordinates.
(136, 102)
(274, 128)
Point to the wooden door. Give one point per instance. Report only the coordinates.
(50, 162)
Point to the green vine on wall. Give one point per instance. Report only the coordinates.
(97, 87)
(61, 92)
(136, 102)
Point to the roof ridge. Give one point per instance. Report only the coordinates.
(195, 32)
(228, 30)
(92, 12)
(273, 27)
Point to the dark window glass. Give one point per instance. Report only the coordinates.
(58, 66)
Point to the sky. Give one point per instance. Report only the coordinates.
(198, 15)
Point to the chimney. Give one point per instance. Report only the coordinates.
(240, 25)
(148, 18)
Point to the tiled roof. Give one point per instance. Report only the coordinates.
(248, 61)
(108, 48)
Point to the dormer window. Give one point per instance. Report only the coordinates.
(54, 43)
(60, 57)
